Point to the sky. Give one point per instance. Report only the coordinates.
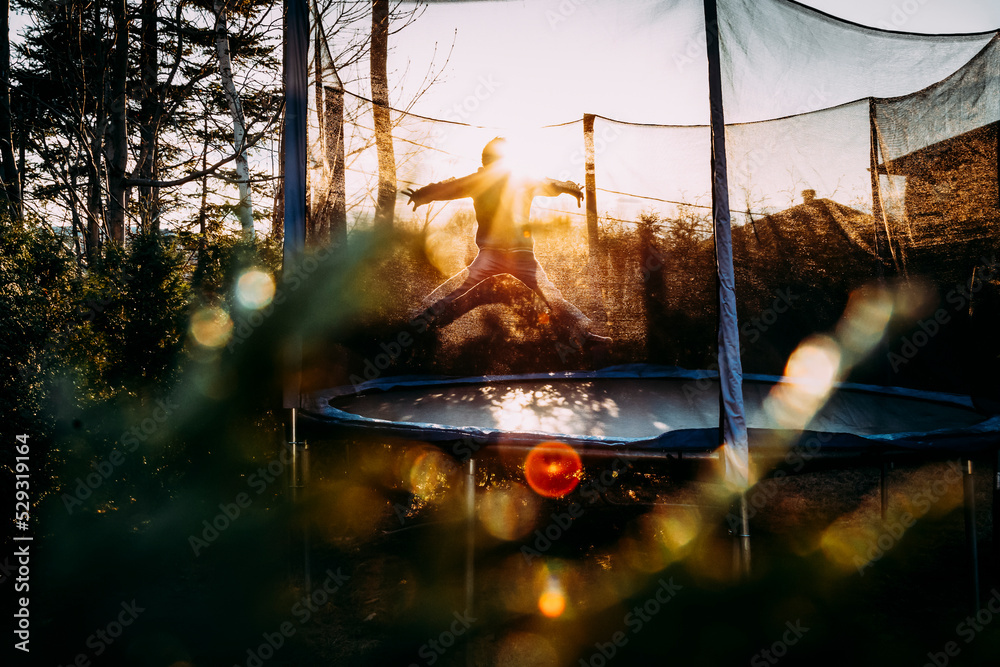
(527, 63)
(515, 66)
(533, 62)
(536, 62)
(519, 65)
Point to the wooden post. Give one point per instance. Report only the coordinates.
(970, 532)
(590, 181)
(876, 192)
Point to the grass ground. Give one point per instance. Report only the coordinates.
(830, 583)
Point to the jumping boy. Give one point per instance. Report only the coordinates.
(502, 200)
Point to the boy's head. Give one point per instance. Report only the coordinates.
(494, 150)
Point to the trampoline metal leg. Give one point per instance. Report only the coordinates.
(996, 515)
(470, 545)
(884, 487)
(470, 528)
(298, 477)
(744, 537)
(970, 531)
(294, 481)
(305, 523)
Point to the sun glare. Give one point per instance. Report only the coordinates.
(811, 372)
(524, 158)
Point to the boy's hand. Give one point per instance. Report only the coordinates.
(576, 191)
(411, 193)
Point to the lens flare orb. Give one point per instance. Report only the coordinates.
(211, 327)
(552, 603)
(255, 289)
(552, 469)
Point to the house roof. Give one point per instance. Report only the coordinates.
(946, 155)
(819, 226)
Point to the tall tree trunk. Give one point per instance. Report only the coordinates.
(77, 223)
(334, 117)
(203, 209)
(318, 221)
(278, 212)
(95, 208)
(236, 111)
(8, 166)
(149, 204)
(386, 202)
(117, 135)
(330, 99)
(22, 150)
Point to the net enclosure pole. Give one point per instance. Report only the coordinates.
(590, 181)
(298, 479)
(296, 80)
(732, 428)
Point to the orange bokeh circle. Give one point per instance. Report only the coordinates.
(552, 604)
(552, 469)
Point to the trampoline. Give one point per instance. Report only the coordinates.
(868, 257)
(644, 408)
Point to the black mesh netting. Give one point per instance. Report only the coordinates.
(860, 162)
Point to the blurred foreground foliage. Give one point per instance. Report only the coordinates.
(141, 437)
(159, 481)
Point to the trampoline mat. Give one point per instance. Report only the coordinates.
(638, 408)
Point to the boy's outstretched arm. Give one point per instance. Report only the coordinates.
(453, 188)
(554, 188)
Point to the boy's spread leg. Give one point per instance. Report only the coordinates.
(523, 265)
(565, 315)
(449, 308)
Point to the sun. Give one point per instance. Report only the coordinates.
(553, 152)
(524, 159)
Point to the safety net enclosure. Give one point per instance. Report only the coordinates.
(862, 181)
(471, 396)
